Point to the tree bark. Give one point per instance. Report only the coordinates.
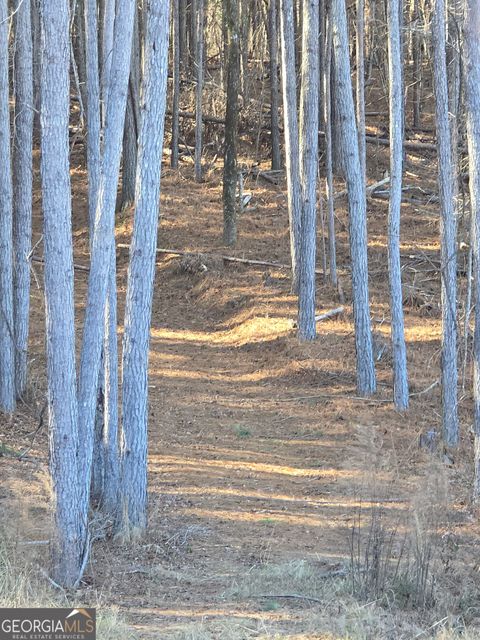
(199, 36)
(36, 38)
(7, 349)
(447, 229)
(400, 379)
(22, 186)
(231, 124)
(345, 109)
(103, 257)
(141, 275)
(417, 66)
(292, 160)
(69, 529)
(176, 82)
(274, 88)
(308, 169)
(472, 98)
(93, 110)
(132, 117)
(332, 243)
(360, 80)
(108, 25)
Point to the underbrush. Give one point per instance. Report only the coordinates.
(23, 585)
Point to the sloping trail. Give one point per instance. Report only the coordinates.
(247, 466)
(259, 451)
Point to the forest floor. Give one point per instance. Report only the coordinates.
(264, 465)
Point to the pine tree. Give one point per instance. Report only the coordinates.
(141, 275)
(345, 110)
(70, 531)
(447, 229)
(22, 187)
(400, 381)
(231, 124)
(7, 351)
(472, 98)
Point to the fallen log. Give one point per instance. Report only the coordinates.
(408, 144)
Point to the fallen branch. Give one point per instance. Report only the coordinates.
(424, 391)
(323, 316)
(205, 118)
(266, 175)
(295, 596)
(257, 263)
(408, 144)
(335, 396)
(80, 267)
(369, 191)
(329, 314)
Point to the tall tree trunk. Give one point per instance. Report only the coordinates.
(102, 259)
(36, 38)
(132, 117)
(274, 94)
(192, 26)
(400, 380)
(22, 186)
(321, 63)
(141, 274)
(199, 37)
(93, 110)
(308, 170)
(59, 304)
(7, 349)
(332, 242)
(472, 95)
(292, 160)
(417, 65)
(104, 474)
(356, 201)
(243, 29)
(176, 82)
(108, 26)
(93, 171)
(360, 93)
(182, 33)
(454, 87)
(78, 50)
(231, 124)
(110, 423)
(447, 231)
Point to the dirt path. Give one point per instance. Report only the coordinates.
(252, 436)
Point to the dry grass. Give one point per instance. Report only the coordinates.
(23, 585)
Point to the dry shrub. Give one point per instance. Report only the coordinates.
(407, 561)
